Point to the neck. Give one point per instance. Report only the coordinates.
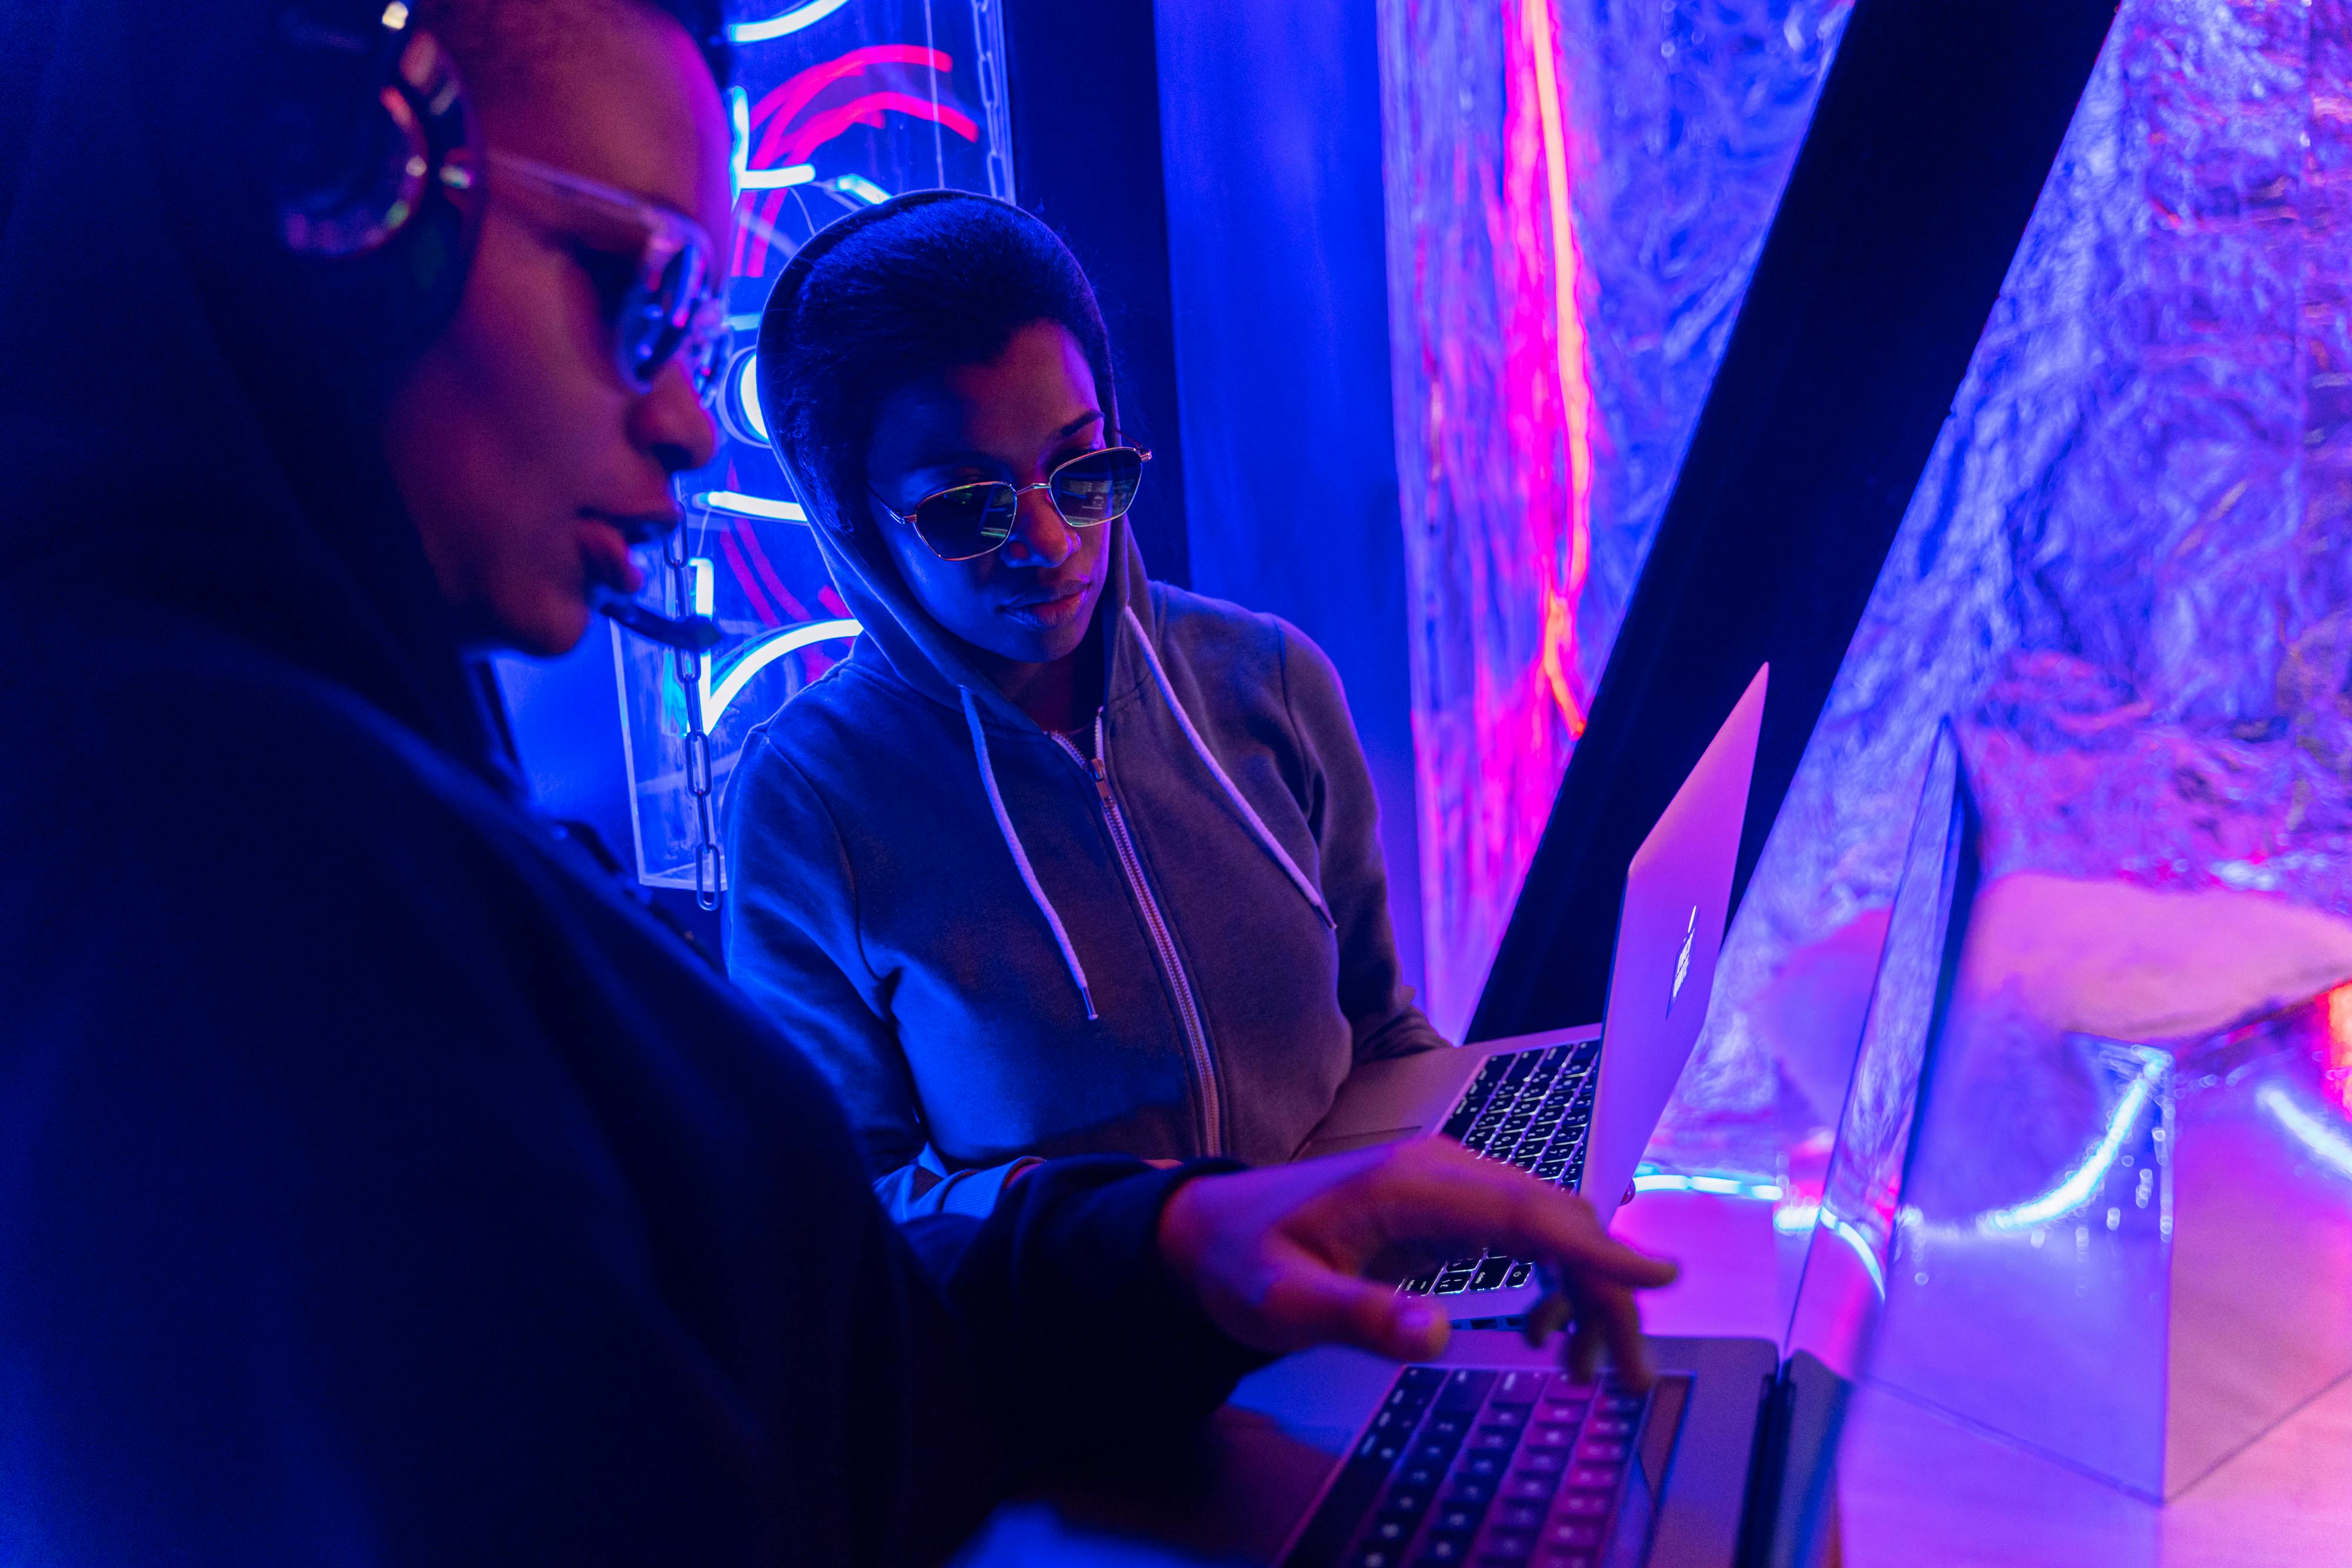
(1060, 694)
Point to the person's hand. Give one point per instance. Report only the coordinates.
(1296, 1255)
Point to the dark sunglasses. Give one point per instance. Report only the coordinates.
(965, 522)
(671, 303)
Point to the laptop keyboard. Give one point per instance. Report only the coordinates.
(1526, 1108)
(1494, 1468)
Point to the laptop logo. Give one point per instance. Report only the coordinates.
(1682, 959)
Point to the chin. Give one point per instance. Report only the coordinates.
(1060, 644)
(1041, 645)
(546, 631)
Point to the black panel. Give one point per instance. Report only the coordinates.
(1937, 127)
(1083, 79)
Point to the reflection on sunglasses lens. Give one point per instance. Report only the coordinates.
(1097, 488)
(968, 521)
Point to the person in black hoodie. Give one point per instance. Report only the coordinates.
(378, 1183)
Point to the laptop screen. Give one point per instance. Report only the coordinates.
(1843, 1284)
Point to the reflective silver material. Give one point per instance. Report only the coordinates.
(2137, 1257)
(1576, 192)
(2129, 572)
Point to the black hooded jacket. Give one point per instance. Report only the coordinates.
(377, 1182)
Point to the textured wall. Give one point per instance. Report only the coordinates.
(2126, 574)
(1576, 194)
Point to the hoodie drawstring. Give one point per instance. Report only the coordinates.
(1021, 856)
(1265, 835)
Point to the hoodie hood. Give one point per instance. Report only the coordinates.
(184, 429)
(900, 632)
(934, 661)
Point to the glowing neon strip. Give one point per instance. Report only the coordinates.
(776, 179)
(1847, 1231)
(757, 656)
(738, 119)
(747, 393)
(2083, 1180)
(863, 189)
(790, 21)
(1560, 598)
(1727, 1186)
(2326, 1144)
(736, 504)
(739, 113)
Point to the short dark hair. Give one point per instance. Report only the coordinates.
(895, 295)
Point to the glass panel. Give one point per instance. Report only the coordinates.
(1576, 191)
(837, 104)
(2123, 574)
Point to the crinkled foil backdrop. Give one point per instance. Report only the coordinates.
(1576, 194)
(2125, 572)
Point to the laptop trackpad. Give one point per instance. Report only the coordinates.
(1342, 1143)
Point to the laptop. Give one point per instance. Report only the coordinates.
(1729, 1459)
(1555, 1104)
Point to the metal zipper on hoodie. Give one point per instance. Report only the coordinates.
(1187, 1013)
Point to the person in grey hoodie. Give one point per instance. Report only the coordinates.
(1060, 859)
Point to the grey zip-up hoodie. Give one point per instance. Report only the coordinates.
(998, 949)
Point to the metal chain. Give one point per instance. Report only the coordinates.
(688, 666)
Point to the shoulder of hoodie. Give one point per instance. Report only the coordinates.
(819, 729)
(1239, 653)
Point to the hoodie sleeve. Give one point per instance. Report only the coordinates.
(790, 933)
(1344, 815)
(392, 1218)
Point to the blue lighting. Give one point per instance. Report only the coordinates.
(2321, 1138)
(863, 189)
(736, 504)
(755, 656)
(746, 396)
(776, 179)
(790, 21)
(739, 117)
(2083, 1180)
(1647, 1179)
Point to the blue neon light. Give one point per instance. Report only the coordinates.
(755, 656)
(2322, 1140)
(747, 395)
(739, 117)
(863, 189)
(736, 504)
(790, 21)
(2080, 1183)
(776, 179)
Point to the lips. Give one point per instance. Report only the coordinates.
(607, 538)
(1032, 601)
(1051, 606)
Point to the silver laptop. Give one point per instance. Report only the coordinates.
(1554, 1104)
(1496, 1458)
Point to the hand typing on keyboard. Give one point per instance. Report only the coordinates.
(1309, 1253)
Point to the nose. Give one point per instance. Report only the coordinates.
(669, 425)
(1040, 536)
